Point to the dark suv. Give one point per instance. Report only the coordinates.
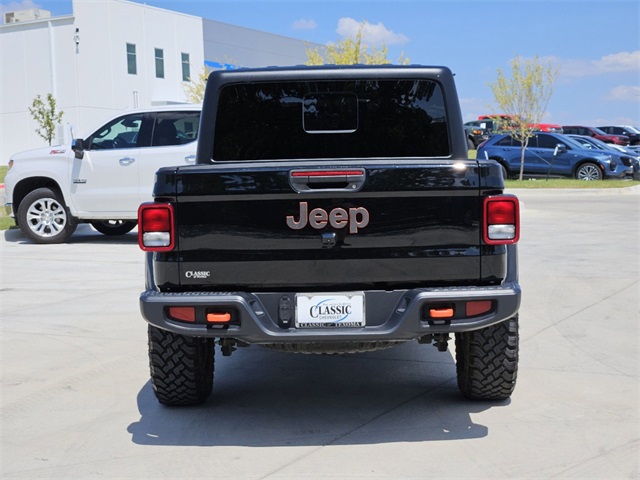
(596, 133)
(627, 130)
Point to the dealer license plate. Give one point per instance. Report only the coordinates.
(330, 310)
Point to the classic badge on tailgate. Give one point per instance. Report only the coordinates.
(330, 310)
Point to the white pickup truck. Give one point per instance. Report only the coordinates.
(102, 178)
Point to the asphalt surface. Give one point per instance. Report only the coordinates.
(77, 403)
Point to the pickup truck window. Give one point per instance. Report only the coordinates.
(120, 133)
(331, 119)
(175, 128)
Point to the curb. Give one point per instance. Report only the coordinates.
(635, 190)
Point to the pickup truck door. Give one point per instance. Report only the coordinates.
(173, 143)
(105, 181)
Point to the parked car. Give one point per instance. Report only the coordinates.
(634, 148)
(101, 179)
(507, 123)
(624, 155)
(627, 130)
(595, 133)
(477, 132)
(552, 154)
(489, 125)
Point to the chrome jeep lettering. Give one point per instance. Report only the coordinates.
(358, 218)
(300, 224)
(355, 218)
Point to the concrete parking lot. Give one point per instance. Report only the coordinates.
(77, 403)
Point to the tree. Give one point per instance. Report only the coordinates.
(194, 89)
(46, 115)
(351, 51)
(525, 97)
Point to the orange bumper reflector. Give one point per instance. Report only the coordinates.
(441, 312)
(478, 307)
(185, 314)
(218, 317)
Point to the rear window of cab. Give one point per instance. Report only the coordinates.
(331, 119)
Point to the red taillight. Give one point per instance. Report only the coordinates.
(501, 216)
(501, 211)
(155, 227)
(156, 220)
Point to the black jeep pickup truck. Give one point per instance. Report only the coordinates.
(330, 210)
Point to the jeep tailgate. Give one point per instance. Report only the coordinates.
(284, 226)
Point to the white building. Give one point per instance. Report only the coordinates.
(112, 55)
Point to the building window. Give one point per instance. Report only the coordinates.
(186, 71)
(159, 54)
(132, 67)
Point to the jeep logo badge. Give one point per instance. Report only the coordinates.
(318, 218)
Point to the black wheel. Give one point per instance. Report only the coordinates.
(44, 218)
(181, 367)
(114, 227)
(589, 171)
(487, 361)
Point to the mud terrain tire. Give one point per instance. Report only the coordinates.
(181, 367)
(487, 361)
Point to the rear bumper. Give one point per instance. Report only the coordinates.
(398, 315)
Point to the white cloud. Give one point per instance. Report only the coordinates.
(619, 62)
(372, 34)
(625, 93)
(304, 24)
(14, 6)
(615, 63)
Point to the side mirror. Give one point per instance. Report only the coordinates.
(77, 145)
(560, 148)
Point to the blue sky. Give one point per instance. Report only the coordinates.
(595, 43)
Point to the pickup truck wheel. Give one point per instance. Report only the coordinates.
(181, 367)
(589, 171)
(114, 227)
(44, 218)
(487, 361)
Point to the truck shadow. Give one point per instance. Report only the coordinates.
(84, 234)
(266, 398)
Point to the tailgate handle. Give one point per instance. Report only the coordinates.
(348, 180)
